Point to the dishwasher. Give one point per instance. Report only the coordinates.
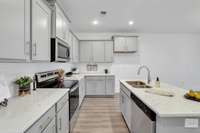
(143, 119)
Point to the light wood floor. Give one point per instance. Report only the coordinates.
(100, 115)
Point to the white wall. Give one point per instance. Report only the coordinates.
(13, 70)
(172, 57)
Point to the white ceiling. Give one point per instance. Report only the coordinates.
(149, 15)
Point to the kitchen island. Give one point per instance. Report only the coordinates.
(172, 114)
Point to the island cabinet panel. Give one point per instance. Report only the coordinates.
(125, 107)
(176, 125)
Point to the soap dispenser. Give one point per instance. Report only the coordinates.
(157, 82)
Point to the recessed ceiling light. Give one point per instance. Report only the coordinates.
(95, 22)
(131, 23)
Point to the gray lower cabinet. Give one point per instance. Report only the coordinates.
(95, 86)
(55, 120)
(51, 128)
(100, 85)
(63, 119)
(81, 90)
(46, 121)
(125, 107)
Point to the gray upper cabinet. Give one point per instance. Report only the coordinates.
(15, 30)
(96, 51)
(41, 31)
(125, 44)
(108, 51)
(86, 51)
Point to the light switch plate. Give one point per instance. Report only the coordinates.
(191, 123)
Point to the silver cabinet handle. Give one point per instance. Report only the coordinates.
(34, 49)
(60, 119)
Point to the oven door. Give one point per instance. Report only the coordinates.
(73, 100)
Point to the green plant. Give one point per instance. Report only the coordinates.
(23, 82)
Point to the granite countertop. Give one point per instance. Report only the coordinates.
(22, 112)
(164, 106)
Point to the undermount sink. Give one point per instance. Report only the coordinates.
(138, 84)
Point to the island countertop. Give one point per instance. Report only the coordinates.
(164, 106)
(22, 112)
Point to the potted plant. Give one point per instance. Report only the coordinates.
(24, 85)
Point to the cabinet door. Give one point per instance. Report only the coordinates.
(131, 44)
(13, 26)
(85, 51)
(63, 119)
(98, 51)
(91, 87)
(119, 43)
(110, 85)
(59, 23)
(51, 128)
(126, 108)
(41, 25)
(108, 51)
(95, 86)
(76, 50)
(101, 86)
(82, 90)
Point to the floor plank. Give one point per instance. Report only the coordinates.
(100, 115)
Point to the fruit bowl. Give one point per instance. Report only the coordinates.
(193, 95)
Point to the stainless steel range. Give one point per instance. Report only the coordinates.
(50, 80)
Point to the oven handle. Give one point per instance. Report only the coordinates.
(74, 88)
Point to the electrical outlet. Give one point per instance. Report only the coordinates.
(191, 123)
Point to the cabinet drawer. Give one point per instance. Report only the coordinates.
(95, 78)
(125, 90)
(43, 122)
(110, 77)
(62, 102)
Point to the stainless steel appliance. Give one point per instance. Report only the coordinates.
(50, 80)
(60, 51)
(143, 118)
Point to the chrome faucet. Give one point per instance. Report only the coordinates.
(148, 72)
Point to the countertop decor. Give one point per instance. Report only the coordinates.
(24, 85)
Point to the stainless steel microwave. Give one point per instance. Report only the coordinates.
(60, 50)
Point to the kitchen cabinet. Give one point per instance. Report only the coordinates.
(63, 119)
(125, 105)
(41, 31)
(47, 120)
(51, 128)
(95, 86)
(86, 52)
(97, 51)
(81, 90)
(108, 51)
(15, 30)
(110, 85)
(125, 44)
(99, 85)
(74, 49)
(62, 25)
